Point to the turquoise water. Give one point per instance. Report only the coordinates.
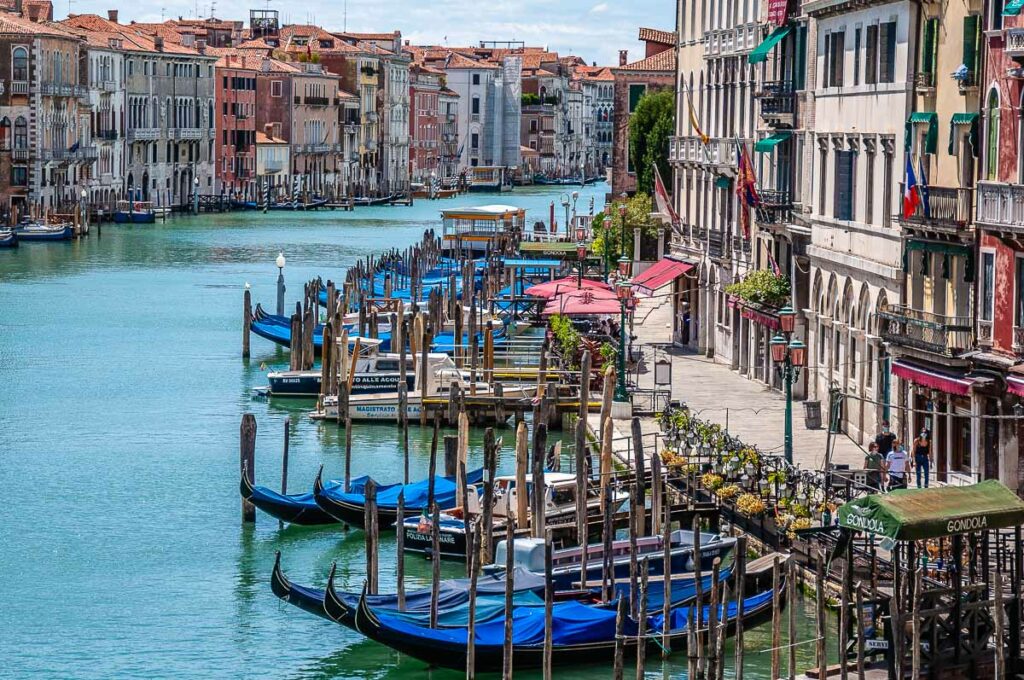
(121, 545)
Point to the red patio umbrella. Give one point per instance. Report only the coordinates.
(583, 302)
(550, 289)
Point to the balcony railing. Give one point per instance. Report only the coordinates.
(1014, 46)
(1001, 206)
(936, 333)
(776, 207)
(143, 134)
(106, 135)
(317, 101)
(949, 207)
(188, 133)
(717, 152)
(19, 154)
(716, 243)
(984, 332)
(777, 99)
(19, 87)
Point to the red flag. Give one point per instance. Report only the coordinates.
(746, 188)
(911, 193)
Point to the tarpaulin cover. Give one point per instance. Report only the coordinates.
(661, 273)
(415, 493)
(487, 607)
(549, 289)
(680, 616)
(919, 514)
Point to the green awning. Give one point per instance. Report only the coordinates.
(760, 53)
(1013, 8)
(768, 144)
(722, 183)
(931, 140)
(970, 119)
(919, 514)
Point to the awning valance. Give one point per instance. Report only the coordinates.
(661, 273)
(760, 53)
(936, 380)
(920, 514)
(767, 320)
(931, 139)
(1015, 385)
(769, 143)
(1013, 8)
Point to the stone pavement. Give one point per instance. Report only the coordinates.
(713, 392)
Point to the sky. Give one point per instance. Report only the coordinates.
(593, 29)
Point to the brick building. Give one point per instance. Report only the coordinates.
(235, 116)
(632, 81)
(425, 121)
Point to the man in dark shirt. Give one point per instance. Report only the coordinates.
(885, 439)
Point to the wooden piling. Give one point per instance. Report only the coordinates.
(473, 538)
(490, 463)
(666, 604)
(859, 599)
(432, 468)
(998, 619)
(370, 526)
(522, 460)
(607, 535)
(345, 412)
(549, 600)
(641, 640)
(459, 351)
(400, 552)
(584, 385)
(606, 455)
(819, 619)
(247, 461)
(489, 353)
(712, 639)
(915, 628)
(634, 586)
(506, 669)
(451, 455)
(692, 644)
(581, 497)
(435, 563)
(423, 383)
(791, 599)
(246, 321)
(723, 629)
(844, 620)
(620, 642)
(463, 451)
(538, 520)
(776, 619)
(640, 467)
(403, 420)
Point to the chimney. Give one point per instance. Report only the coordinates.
(112, 15)
(265, 65)
(268, 130)
(158, 43)
(623, 57)
(18, 7)
(201, 46)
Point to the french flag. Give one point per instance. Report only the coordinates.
(911, 192)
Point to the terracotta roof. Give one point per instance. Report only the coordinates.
(594, 73)
(13, 24)
(257, 44)
(346, 95)
(662, 61)
(134, 38)
(449, 92)
(263, 138)
(371, 36)
(658, 36)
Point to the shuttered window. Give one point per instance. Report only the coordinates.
(931, 29)
(800, 71)
(635, 93)
(834, 56)
(871, 56)
(844, 185)
(970, 57)
(887, 52)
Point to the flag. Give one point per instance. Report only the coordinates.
(309, 51)
(773, 264)
(663, 200)
(923, 190)
(911, 196)
(693, 119)
(746, 187)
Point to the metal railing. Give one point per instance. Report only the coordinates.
(20, 154)
(777, 98)
(937, 333)
(143, 134)
(317, 101)
(718, 152)
(1001, 205)
(984, 332)
(19, 87)
(775, 207)
(924, 80)
(947, 207)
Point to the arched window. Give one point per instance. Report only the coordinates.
(19, 64)
(20, 133)
(5, 133)
(992, 137)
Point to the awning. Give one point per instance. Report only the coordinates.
(661, 273)
(929, 118)
(1013, 8)
(769, 143)
(767, 320)
(569, 284)
(937, 380)
(920, 514)
(760, 53)
(965, 119)
(585, 302)
(1015, 385)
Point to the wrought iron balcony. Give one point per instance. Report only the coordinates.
(777, 99)
(924, 81)
(317, 101)
(936, 333)
(143, 134)
(1001, 206)
(716, 244)
(949, 207)
(776, 207)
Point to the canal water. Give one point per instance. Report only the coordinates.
(121, 546)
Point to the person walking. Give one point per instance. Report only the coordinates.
(897, 464)
(885, 439)
(873, 462)
(922, 457)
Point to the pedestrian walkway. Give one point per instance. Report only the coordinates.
(748, 409)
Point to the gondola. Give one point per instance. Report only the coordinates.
(8, 239)
(298, 508)
(244, 205)
(349, 507)
(367, 201)
(582, 634)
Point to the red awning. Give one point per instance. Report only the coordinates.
(1015, 385)
(549, 289)
(661, 273)
(767, 320)
(584, 302)
(926, 377)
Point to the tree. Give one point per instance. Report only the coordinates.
(607, 227)
(650, 126)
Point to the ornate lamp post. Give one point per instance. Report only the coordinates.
(624, 290)
(789, 356)
(280, 283)
(565, 204)
(581, 253)
(195, 196)
(622, 233)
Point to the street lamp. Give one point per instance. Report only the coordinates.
(565, 204)
(84, 208)
(280, 283)
(789, 356)
(195, 196)
(623, 289)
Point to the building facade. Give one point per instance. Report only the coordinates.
(235, 127)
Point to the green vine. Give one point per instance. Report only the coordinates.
(762, 287)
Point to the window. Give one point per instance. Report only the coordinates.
(636, 91)
(871, 55)
(887, 52)
(533, 125)
(19, 64)
(20, 133)
(992, 136)
(275, 88)
(19, 176)
(1018, 310)
(822, 178)
(475, 106)
(474, 141)
(844, 188)
(476, 78)
(970, 59)
(995, 19)
(928, 50)
(887, 186)
(988, 265)
(835, 53)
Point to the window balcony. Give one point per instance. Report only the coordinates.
(19, 87)
(717, 153)
(106, 135)
(143, 134)
(776, 207)
(947, 336)
(19, 154)
(1014, 45)
(778, 101)
(948, 208)
(1001, 207)
(924, 82)
(317, 101)
(188, 133)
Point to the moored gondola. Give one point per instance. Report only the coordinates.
(303, 597)
(298, 509)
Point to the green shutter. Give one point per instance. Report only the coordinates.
(800, 71)
(971, 43)
(636, 93)
(928, 50)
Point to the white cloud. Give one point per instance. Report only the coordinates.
(599, 8)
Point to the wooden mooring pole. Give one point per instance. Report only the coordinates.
(246, 321)
(247, 459)
(371, 528)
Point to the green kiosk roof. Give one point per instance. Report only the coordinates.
(919, 514)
